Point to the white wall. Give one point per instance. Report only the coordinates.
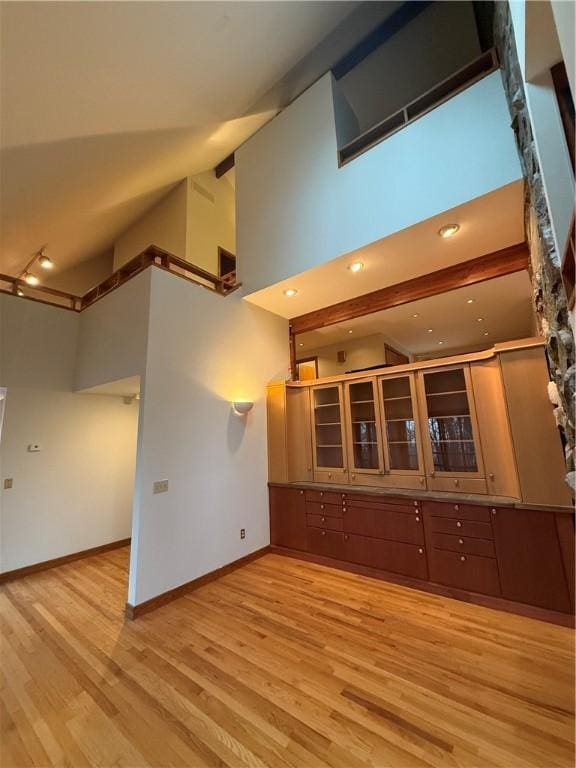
(211, 220)
(540, 35)
(296, 209)
(112, 335)
(204, 351)
(164, 225)
(76, 493)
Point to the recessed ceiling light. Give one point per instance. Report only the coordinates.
(449, 230)
(430, 330)
(440, 342)
(479, 319)
(350, 331)
(470, 301)
(31, 279)
(301, 344)
(356, 266)
(486, 333)
(45, 261)
(415, 314)
(290, 292)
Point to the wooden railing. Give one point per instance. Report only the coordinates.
(151, 257)
(440, 93)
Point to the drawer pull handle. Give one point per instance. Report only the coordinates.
(462, 558)
(456, 507)
(421, 481)
(321, 506)
(323, 533)
(456, 483)
(346, 537)
(323, 519)
(491, 475)
(420, 551)
(460, 541)
(353, 476)
(301, 493)
(329, 475)
(343, 495)
(493, 511)
(415, 503)
(417, 519)
(322, 492)
(458, 524)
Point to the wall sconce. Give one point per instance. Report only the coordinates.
(241, 408)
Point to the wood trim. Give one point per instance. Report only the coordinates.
(224, 166)
(497, 264)
(135, 611)
(18, 573)
(496, 603)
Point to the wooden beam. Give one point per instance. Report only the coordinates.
(224, 166)
(497, 264)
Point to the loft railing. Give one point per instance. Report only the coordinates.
(151, 257)
(426, 102)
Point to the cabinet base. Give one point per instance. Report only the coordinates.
(496, 603)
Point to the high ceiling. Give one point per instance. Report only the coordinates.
(478, 316)
(106, 105)
(487, 224)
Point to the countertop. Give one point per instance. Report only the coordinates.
(463, 498)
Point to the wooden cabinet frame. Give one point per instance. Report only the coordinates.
(352, 468)
(431, 472)
(420, 471)
(327, 469)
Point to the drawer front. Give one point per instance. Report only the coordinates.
(459, 511)
(385, 524)
(457, 484)
(470, 572)
(331, 476)
(325, 509)
(326, 543)
(326, 497)
(409, 482)
(461, 527)
(391, 505)
(329, 523)
(391, 556)
(463, 544)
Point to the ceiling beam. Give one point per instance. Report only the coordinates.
(496, 264)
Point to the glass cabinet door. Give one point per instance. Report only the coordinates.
(328, 444)
(400, 424)
(451, 426)
(365, 453)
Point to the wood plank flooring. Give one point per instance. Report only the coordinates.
(280, 663)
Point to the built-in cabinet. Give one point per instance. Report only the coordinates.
(473, 551)
(450, 426)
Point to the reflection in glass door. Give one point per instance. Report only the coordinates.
(450, 422)
(400, 424)
(364, 429)
(328, 428)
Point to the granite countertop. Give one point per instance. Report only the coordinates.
(463, 498)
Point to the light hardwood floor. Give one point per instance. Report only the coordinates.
(280, 663)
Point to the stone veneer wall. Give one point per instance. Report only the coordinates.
(550, 300)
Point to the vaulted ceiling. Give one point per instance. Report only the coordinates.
(105, 105)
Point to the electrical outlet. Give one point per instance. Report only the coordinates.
(242, 533)
(160, 486)
(34, 448)
(8, 483)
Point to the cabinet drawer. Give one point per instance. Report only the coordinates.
(320, 521)
(325, 497)
(385, 524)
(321, 508)
(459, 511)
(385, 503)
(409, 482)
(327, 543)
(461, 527)
(463, 545)
(331, 476)
(457, 484)
(476, 574)
(391, 556)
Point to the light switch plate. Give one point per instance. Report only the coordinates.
(160, 486)
(8, 483)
